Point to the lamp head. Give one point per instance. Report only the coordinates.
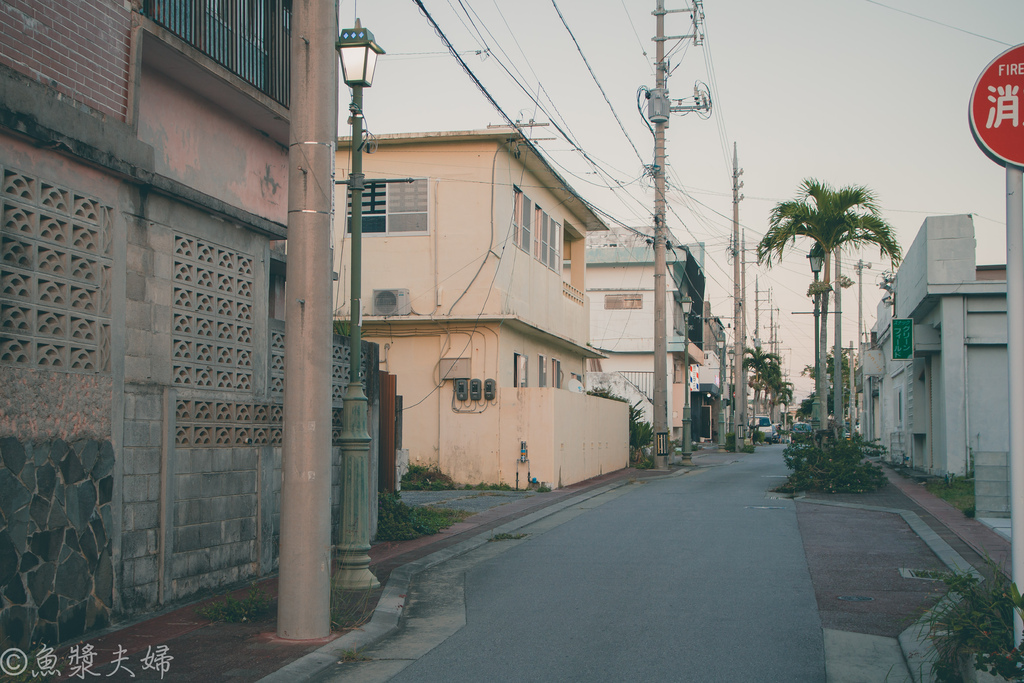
(358, 52)
(816, 257)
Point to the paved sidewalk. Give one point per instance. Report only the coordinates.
(210, 651)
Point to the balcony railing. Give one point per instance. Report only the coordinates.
(571, 293)
(250, 38)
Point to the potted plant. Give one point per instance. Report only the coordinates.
(972, 629)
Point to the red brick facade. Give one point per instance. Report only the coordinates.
(79, 48)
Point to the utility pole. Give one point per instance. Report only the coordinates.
(837, 355)
(305, 567)
(659, 109)
(660, 230)
(739, 408)
(860, 340)
(757, 315)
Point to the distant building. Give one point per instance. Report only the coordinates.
(473, 286)
(945, 410)
(620, 283)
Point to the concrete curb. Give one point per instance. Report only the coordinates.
(918, 651)
(388, 614)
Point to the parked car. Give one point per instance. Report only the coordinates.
(801, 431)
(763, 424)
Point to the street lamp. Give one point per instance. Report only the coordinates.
(358, 53)
(816, 257)
(686, 303)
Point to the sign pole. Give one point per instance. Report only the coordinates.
(995, 116)
(1015, 356)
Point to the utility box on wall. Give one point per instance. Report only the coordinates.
(454, 368)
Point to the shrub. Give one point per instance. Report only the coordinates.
(255, 604)
(758, 436)
(975, 622)
(396, 521)
(833, 467)
(423, 478)
(730, 441)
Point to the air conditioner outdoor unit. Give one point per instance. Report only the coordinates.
(391, 302)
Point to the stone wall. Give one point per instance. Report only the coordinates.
(55, 539)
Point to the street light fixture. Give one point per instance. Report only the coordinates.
(358, 52)
(816, 257)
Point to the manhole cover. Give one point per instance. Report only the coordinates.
(855, 598)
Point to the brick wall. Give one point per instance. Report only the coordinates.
(79, 48)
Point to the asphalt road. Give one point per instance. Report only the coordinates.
(694, 578)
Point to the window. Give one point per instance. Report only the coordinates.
(393, 208)
(519, 371)
(523, 219)
(556, 373)
(617, 302)
(542, 371)
(554, 256)
(540, 246)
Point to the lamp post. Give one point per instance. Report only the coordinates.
(817, 259)
(358, 53)
(686, 303)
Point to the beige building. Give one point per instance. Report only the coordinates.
(473, 282)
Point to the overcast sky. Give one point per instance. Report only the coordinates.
(845, 91)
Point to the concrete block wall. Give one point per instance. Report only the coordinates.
(992, 484)
(141, 461)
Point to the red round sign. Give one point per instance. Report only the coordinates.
(997, 108)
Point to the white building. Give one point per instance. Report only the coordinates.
(945, 410)
(620, 285)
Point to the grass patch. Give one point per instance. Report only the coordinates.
(543, 489)
(422, 478)
(957, 491)
(488, 487)
(253, 607)
(399, 522)
(353, 656)
(507, 537)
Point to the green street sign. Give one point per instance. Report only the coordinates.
(902, 338)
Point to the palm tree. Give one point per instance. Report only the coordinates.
(835, 219)
(765, 372)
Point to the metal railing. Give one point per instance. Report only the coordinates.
(250, 38)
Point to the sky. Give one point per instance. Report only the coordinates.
(850, 92)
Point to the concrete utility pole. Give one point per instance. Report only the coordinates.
(837, 356)
(757, 315)
(659, 109)
(660, 235)
(857, 417)
(303, 610)
(739, 410)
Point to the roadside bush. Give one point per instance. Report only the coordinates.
(830, 468)
(423, 478)
(757, 436)
(730, 441)
(396, 521)
(973, 626)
